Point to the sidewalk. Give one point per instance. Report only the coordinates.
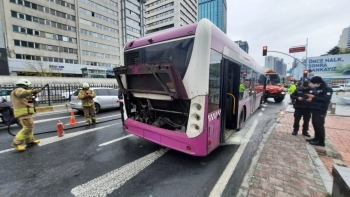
(286, 165)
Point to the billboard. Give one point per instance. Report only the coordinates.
(297, 49)
(330, 66)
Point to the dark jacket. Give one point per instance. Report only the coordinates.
(301, 92)
(120, 94)
(323, 96)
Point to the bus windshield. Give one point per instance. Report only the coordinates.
(176, 52)
(273, 79)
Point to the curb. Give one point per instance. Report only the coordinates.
(326, 178)
(55, 108)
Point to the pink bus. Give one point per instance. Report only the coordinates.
(188, 88)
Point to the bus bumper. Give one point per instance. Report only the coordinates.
(174, 140)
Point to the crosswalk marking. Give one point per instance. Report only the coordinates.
(106, 184)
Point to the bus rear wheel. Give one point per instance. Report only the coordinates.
(279, 99)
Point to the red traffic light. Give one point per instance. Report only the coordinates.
(306, 71)
(264, 50)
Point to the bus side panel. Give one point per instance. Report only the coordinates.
(214, 125)
(245, 102)
(258, 99)
(174, 140)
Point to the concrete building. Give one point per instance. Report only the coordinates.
(215, 11)
(66, 36)
(344, 40)
(164, 14)
(243, 45)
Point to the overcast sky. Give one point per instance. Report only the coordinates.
(280, 24)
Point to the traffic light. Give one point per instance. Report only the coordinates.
(305, 74)
(264, 50)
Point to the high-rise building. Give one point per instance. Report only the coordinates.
(67, 36)
(269, 62)
(344, 40)
(164, 14)
(215, 11)
(4, 69)
(279, 68)
(243, 45)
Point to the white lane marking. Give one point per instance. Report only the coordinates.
(116, 140)
(50, 140)
(46, 120)
(107, 183)
(262, 109)
(226, 175)
(260, 114)
(51, 113)
(99, 118)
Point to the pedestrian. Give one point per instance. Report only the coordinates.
(87, 100)
(291, 90)
(23, 107)
(121, 105)
(241, 90)
(302, 108)
(319, 104)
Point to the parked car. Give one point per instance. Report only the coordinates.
(5, 95)
(346, 87)
(106, 98)
(66, 95)
(337, 88)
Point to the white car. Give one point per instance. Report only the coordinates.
(106, 98)
(346, 87)
(66, 95)
(337, 88)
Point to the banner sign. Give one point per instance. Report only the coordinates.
(297, 49)
(331, 65)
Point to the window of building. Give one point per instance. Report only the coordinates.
(29, 31)
(15, 28)
(24, 44)
(30, 44)
(17, 43)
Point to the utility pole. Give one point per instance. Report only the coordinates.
(306, 54)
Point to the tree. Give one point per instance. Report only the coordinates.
(39, 69)
(334, 51)
(345, 51)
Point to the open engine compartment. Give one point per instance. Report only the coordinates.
(171, 115)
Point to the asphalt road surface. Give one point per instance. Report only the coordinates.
(104, 160)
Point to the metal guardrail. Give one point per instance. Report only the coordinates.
(54, 93)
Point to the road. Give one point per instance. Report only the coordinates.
(104, 160)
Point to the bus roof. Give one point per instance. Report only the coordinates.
(164, 35)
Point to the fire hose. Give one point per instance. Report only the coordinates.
(8, 127)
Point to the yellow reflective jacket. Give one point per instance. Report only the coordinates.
(291, 89)
(241, 88)
(87, 97)
(22, 102)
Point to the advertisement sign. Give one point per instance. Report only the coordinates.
(330, 66)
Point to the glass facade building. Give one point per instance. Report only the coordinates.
(215, 11)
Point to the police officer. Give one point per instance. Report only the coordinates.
(121, 105)
(87, 100)
(302, 108)
(23, 107)
(319, 104)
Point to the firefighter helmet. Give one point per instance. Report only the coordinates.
(23, 82)
(85, 85)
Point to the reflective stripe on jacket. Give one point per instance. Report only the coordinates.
(22, 102)
(87, 97)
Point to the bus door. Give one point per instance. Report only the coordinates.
(252, 92)
(229, 103)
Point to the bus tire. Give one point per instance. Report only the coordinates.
(241, 120)
(279, 99)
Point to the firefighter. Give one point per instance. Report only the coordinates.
(23, 107)
(302, 108)
(87, 100)
(291, 90)
(319, 104)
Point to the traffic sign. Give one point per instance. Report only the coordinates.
(297, 49)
